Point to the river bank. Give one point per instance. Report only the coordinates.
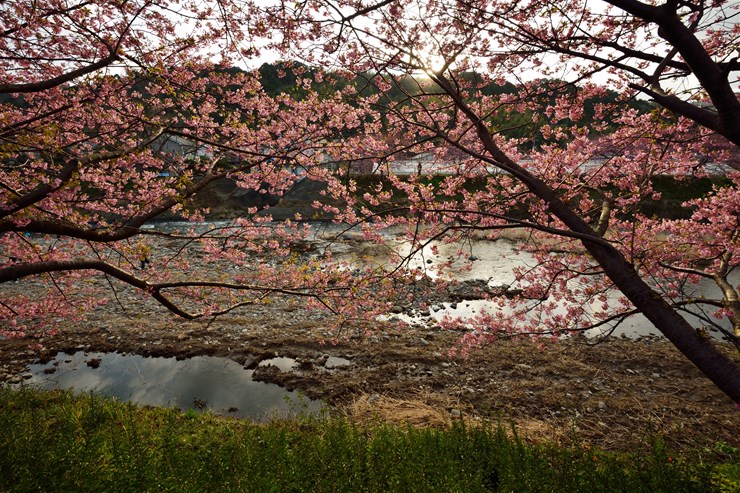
(611, 395)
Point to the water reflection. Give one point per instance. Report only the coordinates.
(219, 384)
(281, 363)
(634, 327)
(493, 261)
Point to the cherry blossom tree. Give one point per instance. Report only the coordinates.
(96, 90)
(114, 113)
(575, 186)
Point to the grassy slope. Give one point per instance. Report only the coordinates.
(52, 441)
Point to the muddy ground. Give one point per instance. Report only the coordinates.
(612, 395)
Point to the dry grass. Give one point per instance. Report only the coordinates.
(428, 410)
(418, 412)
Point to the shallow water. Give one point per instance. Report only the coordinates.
(634, 327)
(201, 382)
(494, 261)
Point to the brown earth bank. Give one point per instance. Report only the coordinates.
(615, 395)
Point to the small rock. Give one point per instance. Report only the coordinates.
(424, 342)
(250, 362)
(333, 362)
(601, 405)
(455, 413)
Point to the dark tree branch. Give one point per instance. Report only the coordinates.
(156, 290)
(712, 77)
(59, 80)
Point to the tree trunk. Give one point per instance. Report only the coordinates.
(696, 347)
(720, 369)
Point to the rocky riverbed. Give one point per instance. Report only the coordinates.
(612, 394)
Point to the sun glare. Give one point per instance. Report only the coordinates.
(434, 64)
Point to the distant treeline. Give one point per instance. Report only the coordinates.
(289, 78)
(284, 77)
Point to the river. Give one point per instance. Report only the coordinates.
(492, 261)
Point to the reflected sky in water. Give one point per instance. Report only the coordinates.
(219, 383)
